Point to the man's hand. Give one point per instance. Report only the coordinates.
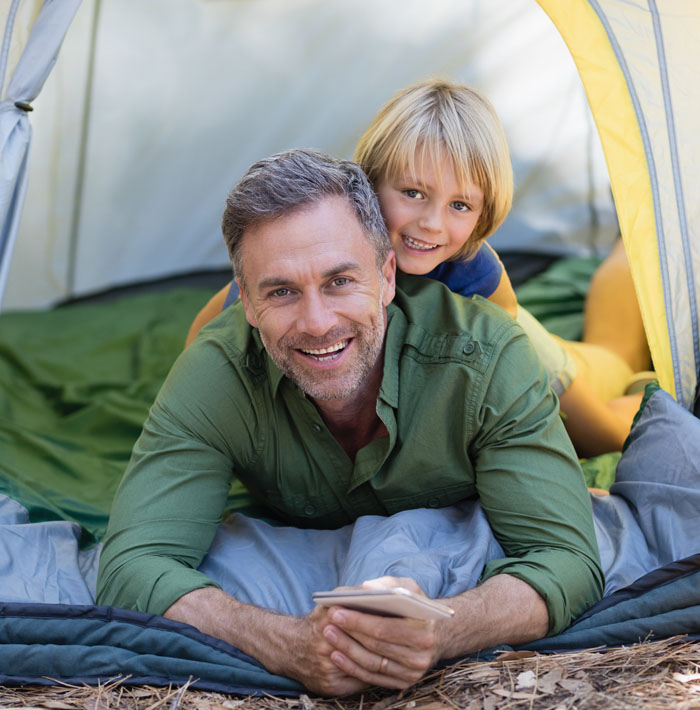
(309, 659)
(378, 650)
(285, 645)
(339, 651)
(502, 610)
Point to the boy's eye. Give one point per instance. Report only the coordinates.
(461, 206)
(413, 194)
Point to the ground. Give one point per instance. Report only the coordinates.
(650, 675)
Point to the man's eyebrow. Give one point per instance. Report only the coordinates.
(278, 281)
(340, 268)
(272, 281)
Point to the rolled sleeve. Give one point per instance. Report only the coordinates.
(172, 497)
(532, 489)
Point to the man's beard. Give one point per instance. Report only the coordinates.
(330, 384)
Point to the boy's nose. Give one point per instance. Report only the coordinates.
(431, 219)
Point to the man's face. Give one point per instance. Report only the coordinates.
(317, 297)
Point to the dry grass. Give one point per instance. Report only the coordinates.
(661, 674)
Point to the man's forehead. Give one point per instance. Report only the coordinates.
(323, 238)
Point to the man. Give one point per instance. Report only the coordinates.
(332, 402)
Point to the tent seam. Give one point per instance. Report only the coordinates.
(653, 178)
(677, 181)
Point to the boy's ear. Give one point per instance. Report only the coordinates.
(249, 312)
(389, 273)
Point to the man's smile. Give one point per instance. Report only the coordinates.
(326, 354)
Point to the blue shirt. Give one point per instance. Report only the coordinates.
(480, 275)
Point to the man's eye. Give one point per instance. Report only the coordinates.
(413, 194)
(340, 281)
(461, 206)
(280, 293)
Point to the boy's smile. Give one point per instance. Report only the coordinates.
(428, 215)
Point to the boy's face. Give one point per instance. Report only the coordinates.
(429, 218)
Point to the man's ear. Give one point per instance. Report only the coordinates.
(249, 312)
(389, 273)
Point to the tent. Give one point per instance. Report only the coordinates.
(128, 175)
(155, 108)
(637, 62)
(137, 141)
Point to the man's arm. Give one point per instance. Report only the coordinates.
(531, 487)
(171, 499)
(285, 645)
(339, 651)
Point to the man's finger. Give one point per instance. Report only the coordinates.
(411, 633)
(407, 665)
(411, 657)
(390, 678)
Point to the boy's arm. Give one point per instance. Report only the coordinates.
(504, 295)
(209, 312)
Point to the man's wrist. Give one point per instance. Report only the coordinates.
(502, 610)
(262, 634)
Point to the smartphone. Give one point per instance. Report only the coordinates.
(396, 601)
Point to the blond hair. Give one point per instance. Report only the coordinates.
(437, 116)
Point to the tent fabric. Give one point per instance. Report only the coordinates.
(164, 138)
(36, 62)
(638, 63)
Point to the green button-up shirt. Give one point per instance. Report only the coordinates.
(468, 413)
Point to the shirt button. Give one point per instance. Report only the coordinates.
(309, 509)
(317, 427)
(433, 502)
(469, 348)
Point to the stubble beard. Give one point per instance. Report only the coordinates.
(326, 385)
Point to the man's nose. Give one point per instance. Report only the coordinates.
(315, 316)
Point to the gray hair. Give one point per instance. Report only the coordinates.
(289, 181)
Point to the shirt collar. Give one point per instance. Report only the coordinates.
(393, 342)
(260, 359)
